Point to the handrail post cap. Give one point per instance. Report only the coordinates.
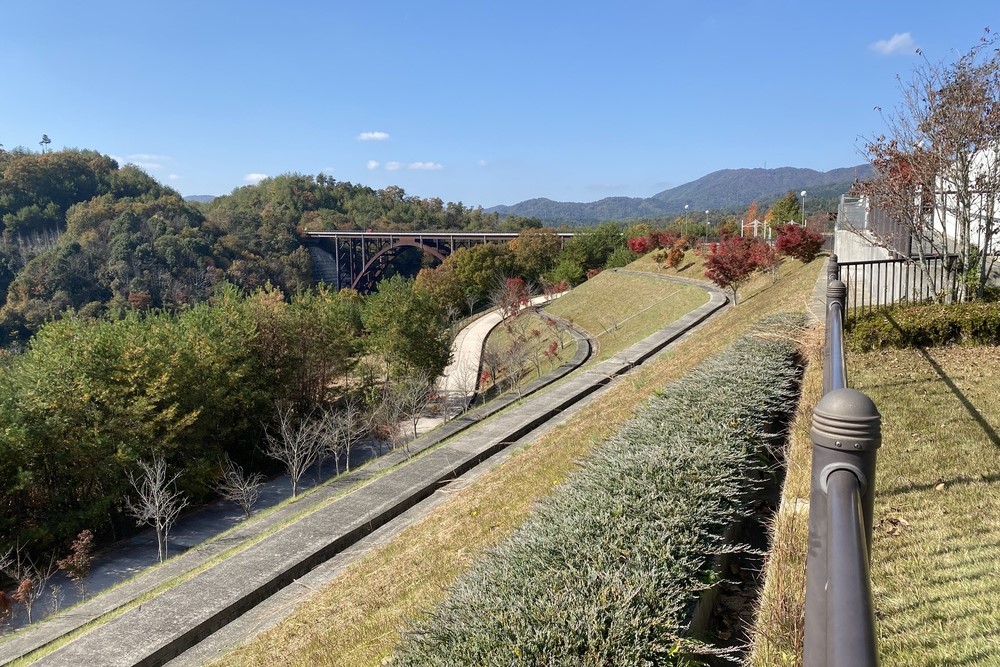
(846, 420)
(836, 289)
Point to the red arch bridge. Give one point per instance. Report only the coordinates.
(358, 259)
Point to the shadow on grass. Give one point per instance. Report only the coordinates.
(963, 399)
(957, 481)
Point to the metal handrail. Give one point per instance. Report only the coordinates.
(846, 433)
(851, 635)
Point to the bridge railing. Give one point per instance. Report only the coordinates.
(846, 433)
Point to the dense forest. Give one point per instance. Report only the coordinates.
(138, 328)
(79, 232)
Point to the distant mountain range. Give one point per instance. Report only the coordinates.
(204, 199)
(727, 189)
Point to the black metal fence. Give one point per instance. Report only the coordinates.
(883, 282)
(846, 433)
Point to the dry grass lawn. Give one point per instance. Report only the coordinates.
(936, 550)
(935, 569)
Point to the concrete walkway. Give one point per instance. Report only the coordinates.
(201, 535)
(125, 559)
(327, 522)
(457, 384)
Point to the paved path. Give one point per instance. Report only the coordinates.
(195, 539)
(458, 382)
(182, 616)
(127, 558)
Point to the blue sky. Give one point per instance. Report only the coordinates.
(483, 102)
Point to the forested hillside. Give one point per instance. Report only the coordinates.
(79, 232)
(723, 191)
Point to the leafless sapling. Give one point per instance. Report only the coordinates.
(239, 486)
(298, 443)
(158, 503)
(32, 575)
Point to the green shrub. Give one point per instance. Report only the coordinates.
(925, 325)
(608, 569)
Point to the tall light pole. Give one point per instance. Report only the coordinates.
(706, 226)
(803, 193)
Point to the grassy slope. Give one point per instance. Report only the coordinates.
(621, 309)
(357, 618)
(935, 570)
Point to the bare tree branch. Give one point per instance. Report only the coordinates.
(158, 502)
(241, 487)
(297, 444)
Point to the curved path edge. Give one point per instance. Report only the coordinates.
(180, 617)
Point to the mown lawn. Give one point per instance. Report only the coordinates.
(357, 619)
(935, 570)
(620, 309)
(936, 548)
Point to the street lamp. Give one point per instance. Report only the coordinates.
(803, 193)
(707, 223)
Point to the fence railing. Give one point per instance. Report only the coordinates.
(846, 433)
(883, 282)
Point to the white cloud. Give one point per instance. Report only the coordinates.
(373, 136)
(146, 165)
(254, 177)
(148, 157)
(900, 43)
(483, 163)
(425, 166)
(174, 177)
(393, 166)
(327, 170)
(372, 165)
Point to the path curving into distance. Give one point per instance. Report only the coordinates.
(181, 617)
(210, 531)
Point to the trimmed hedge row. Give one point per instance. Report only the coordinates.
(608, 569)
(926, 325)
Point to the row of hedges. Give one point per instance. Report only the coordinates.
(926, 325)
(608, 569)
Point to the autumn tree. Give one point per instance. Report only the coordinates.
(796, 241)
(752, 214)
(350, 422)
(731, 262)
(938, 166)
(510, 296)
(296, 440)
(31, 575)
(77, 564)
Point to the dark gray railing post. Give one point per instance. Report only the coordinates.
(834, 370)
(832, 269)
(846, 432)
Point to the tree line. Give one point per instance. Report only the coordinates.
(79, 232)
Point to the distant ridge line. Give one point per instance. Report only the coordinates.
(726, 189)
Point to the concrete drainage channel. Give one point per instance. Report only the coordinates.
(179, 618)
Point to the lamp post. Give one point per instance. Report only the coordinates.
(707, 223)
(803, 193)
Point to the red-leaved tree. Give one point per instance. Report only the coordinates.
(798, 242)
(731, 262)
(640, 245)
